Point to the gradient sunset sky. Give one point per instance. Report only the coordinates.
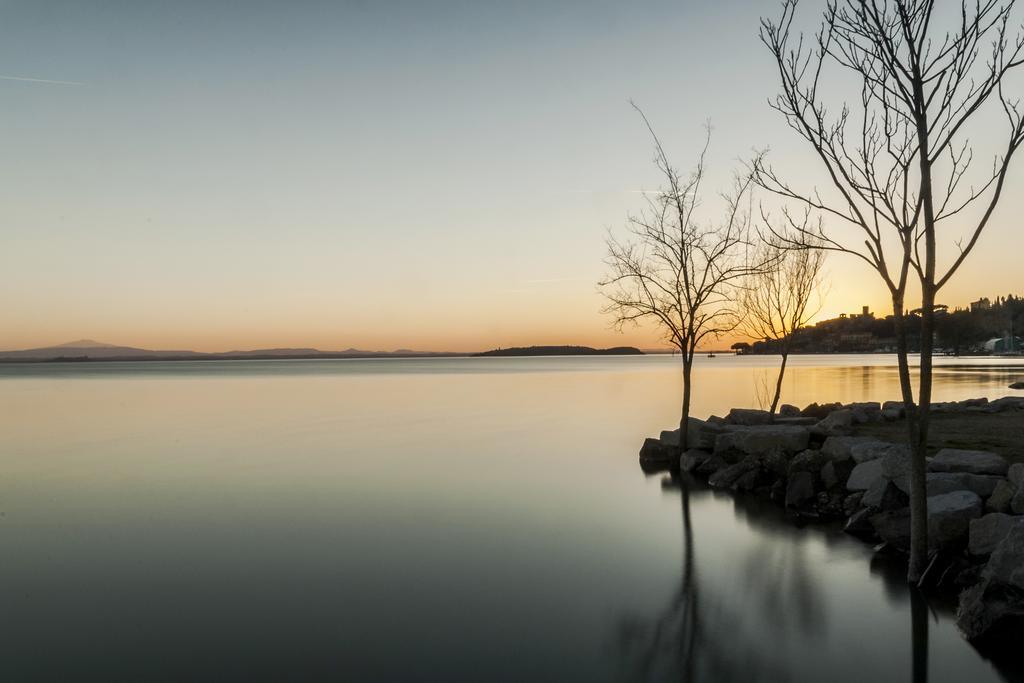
(381, 175)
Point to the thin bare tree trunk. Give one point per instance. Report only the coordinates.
(684, 420)
(918, 465)
(778, 382)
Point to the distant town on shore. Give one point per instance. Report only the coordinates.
(986, 327)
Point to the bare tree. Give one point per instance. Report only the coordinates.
(898, 161)
(779, 300)
(678, 272)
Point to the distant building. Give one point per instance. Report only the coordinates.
(982, 304)
(1005, 344)
(865, 312)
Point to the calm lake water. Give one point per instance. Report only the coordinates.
(449, 519)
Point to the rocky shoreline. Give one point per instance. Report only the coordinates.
(814, 463)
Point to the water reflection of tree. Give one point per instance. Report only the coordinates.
(702, 636)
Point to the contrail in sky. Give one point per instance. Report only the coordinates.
(39, 80)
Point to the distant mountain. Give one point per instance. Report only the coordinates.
(87, 348)
(563, 351)
(90, 350)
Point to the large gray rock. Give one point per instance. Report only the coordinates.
(870, 449)
(946, 482)
(865, 475)
(894, 410)
(841, 447)
(727, 477)
(893, 527)
(834, 473)
(1001, 497)
(788, 410)
(838, 423)
(1016, 474)
(973, 462)
(896, 466)
(693, 434)
(865, 412)
(654, 453)
(993, 612)
(884, 495)
(711, 465)
(748, 417)
(1006, 566)
(820, 411)
(809, 460)
(692, 459)
(800, 490)
(949, 518)
(987, 532)
(1005, 403)
(751, 440)
(1017, 502)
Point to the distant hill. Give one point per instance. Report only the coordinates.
(563, 351)
(89, 350)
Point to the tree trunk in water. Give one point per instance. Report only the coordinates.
(778, 382)
(919, 452)
(684, 421)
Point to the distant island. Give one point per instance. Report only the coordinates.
(563, 351)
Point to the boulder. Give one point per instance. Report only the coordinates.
(896, 466)
(796, 421)
(859, 524)
(973, 462)
(838, 423)
(692, 459)
(946, 482)
(655, 453)
(1017, 385)
(1016, 474)
(800, 490)
(711, 465)
(841, 447)
(851, 503)
(1001, 497)
(893, 527)
(1006, 566)
(693, 434)
(885, 495)
(834, 473)
(864, 475)
(894, 410)
(788, 410)
(751, 440)
(1017, 502)
(809, 460)
(820, 411)
(870, 449)
(992, 613)
(748, 417)
(727, 477)
(949, 518)
(987, 532)
(865, 412)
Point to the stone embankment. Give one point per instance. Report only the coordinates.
(813, 462)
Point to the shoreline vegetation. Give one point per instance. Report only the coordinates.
(850, 464)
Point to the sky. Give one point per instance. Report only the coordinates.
(380, 175)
